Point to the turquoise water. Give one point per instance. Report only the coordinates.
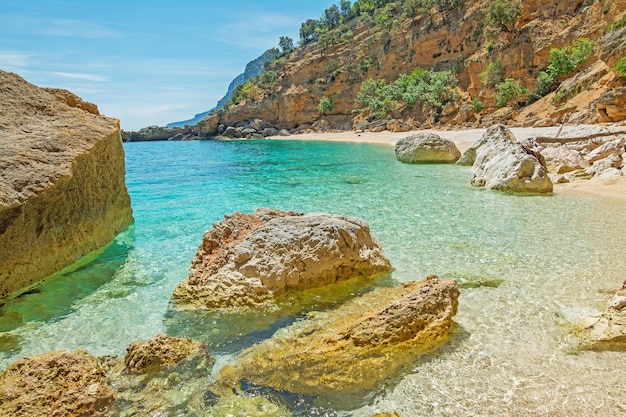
(554, 254)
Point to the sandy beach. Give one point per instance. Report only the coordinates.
(613, 187)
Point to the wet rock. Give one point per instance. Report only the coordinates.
(505, 165)
(162, 376)
(249, 406)
(426, 148)
(162, 351)
(608, 330)
(55, 384)
(249, 259)
(353, 348)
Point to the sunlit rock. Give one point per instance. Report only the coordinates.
(249, 259)
(354, 347)
(426, 148)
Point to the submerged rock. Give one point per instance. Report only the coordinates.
(249, 259)
(162, 351)
(55, 384)
(62, 186)
(353, 348)
(608, 330)
(161, 376)
(426, 148)
(505, 165)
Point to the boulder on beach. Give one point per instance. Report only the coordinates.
(426, 148)
(503, 164)
(62, 187)
(353, 348)
(249, 259)
(68, 384)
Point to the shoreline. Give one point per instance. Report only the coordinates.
(612, 187)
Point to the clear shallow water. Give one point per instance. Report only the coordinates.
(507, 356)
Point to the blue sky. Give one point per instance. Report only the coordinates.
(144, 62)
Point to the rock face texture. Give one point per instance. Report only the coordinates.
(248, 259)
(426, 148)
(55, 384)
(608, 330)
(354, 347)
(162, 351)
(62, 187)
(505, 165)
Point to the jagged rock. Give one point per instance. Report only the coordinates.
(608, 167)
(162, 351)
(426, 148)
(466, 113)
(611, 105)
(284, 132)
(321, 125)
(469, 156)
(62, 187)
(258, 125)
(55, 384)
(353, 348)
(232, 132)
(505, 165)
(395, 125)
(561, 159)
(615, 147)
(608, 330)
(248, 259)
(270, 131)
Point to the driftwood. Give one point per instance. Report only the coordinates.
(548, 139)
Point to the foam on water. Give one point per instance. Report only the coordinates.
(507, 355)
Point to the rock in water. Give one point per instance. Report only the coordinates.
(353, 348)
(162, 351)
(608, 330)
(248, 259)
(62, 187)
(55, 384)
(505, 165)
(426, 148)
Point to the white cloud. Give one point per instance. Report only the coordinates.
(80, 76)
(14, 61)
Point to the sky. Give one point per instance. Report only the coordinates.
(144, 62)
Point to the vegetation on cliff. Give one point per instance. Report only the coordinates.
(433, 62)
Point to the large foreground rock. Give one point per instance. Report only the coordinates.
(248, 259)
(62, 187)
(505, 165)
(354, 347)
(55, 384)
(426, 148)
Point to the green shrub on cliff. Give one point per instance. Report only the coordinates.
(428, 89)
(493, 74)
(508, 91)
(620, 67)
(502, 15)
(325, 105)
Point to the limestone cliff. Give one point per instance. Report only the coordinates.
(62, 187)
(455, 38)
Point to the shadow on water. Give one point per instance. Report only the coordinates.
(54, 297)
(228, 332)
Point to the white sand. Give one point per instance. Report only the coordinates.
(614, 187)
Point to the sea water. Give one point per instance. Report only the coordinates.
(555, 258)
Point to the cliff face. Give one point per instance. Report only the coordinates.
(454, 39)
(62, 187)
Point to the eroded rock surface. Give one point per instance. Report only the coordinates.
(248, 259)
(55, 384)
(426, 148)
(62, 186)
(162, 351)
(505, 165)
(608, 330)
(354, 347)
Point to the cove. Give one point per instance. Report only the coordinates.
(546, 261)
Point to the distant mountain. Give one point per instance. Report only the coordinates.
(253, 68)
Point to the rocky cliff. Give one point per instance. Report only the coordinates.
(454, 36)
(62, 187)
